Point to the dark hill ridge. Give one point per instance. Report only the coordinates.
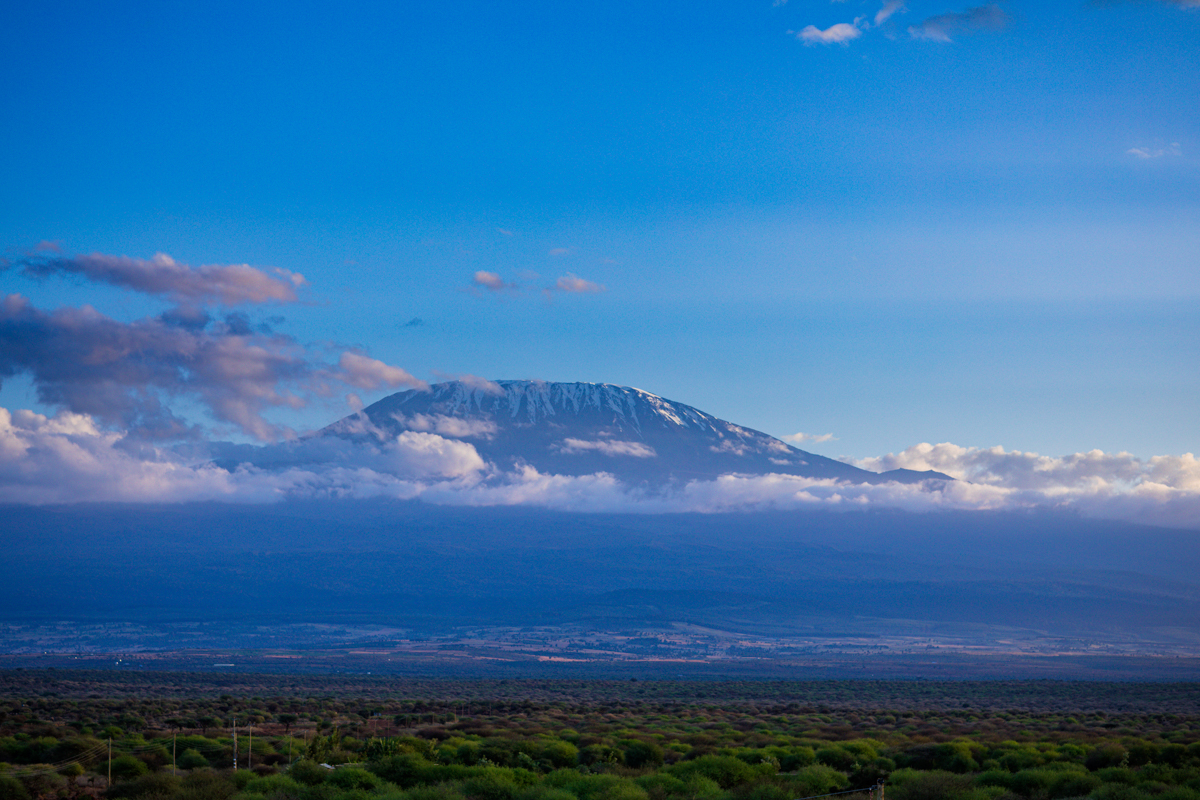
(585, 428)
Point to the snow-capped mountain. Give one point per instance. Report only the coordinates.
(585, 428)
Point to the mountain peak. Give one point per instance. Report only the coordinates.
(588, 428)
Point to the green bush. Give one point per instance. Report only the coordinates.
(641, 755)
(354, 778)
(308, 772)
(12, 789)
(494, 784)
(725, 771)
(908, 784)
(128, 767)
(204, 784)
(158, 784)
(813, 780)
(191, 759)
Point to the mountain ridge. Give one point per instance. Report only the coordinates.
(585, 428)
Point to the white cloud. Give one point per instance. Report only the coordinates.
(490, 281)
(890, 7)
(572, 284)
(841, 33)
(800, 438)
(371, 373)
(230, 284)
(67, 458)
(474, 383)
(608, 447)
(427, 455)
(454, 427)
(1172, 149)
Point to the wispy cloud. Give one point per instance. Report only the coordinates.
(1173, 149)
(841, 33)
(943, 27)
(573, 284)
(800, 438)
(608, 447)
(890, 7)
(472, 382)
(229, 284)
(370, 373)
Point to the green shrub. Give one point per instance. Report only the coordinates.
(308, 772)
(640, 755)
(204, 784)
(813, 780)
(725, 771)
(128, 767)
(354, 778)
(158, 784)
(908, 784)
(191, 759)
(12, 789)
(494, 784)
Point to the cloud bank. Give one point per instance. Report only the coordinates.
(68, 458)
(127, 374)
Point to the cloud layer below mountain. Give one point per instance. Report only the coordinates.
(69, 458)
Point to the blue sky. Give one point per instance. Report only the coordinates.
(968, 224)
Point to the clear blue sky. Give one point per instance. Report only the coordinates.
(969, 225)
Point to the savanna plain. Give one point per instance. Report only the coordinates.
(153, 735)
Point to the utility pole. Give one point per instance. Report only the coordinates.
(235, 745)
(172, 755)
(250, 750)
(110, 761)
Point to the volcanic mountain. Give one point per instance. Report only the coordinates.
(585, 428)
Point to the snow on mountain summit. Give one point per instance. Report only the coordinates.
(586, 428)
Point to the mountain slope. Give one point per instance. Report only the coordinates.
(585, 428)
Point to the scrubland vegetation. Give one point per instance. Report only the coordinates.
(171, 738)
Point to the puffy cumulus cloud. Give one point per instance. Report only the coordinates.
(67, 459)
(943, 27)
(427, 455)
(841, 33)
(122, 373)
(607, 447)
(229, 284)
(801, 438)
(1014, 469)
(490, 281)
